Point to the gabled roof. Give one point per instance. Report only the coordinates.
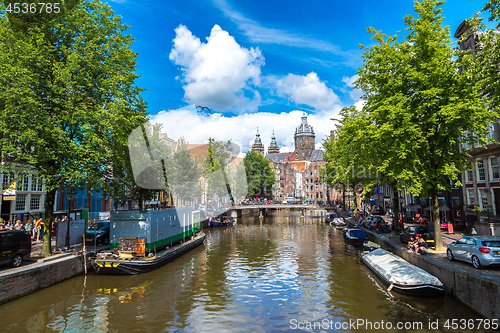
(316, 155)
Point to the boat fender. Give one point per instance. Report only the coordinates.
(390, 287)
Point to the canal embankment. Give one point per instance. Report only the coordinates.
(21, 281)
(477, 289)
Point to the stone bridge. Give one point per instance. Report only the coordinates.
(264, 210)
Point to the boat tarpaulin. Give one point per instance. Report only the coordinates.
(396, 270)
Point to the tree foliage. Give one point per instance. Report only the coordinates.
(68, 98)
(260, 175)
(216, 168)
(184, 175)
(418, 106)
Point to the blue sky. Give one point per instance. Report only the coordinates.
(257, 63)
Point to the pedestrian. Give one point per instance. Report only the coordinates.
(18, 225)
(28, 227)
(422, 247)
(412, 245)
(54, 227)
(40, 234)
(38, 229)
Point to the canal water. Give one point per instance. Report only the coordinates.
(279, 273)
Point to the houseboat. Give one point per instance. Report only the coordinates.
(141, 241)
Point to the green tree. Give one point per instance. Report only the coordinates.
(349, 154)
(260, 175)
(122, 186)
(68, 96)
(484, 63)
(420, 106)
(216, 169)
(184, 177)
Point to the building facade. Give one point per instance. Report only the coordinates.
(481, 182)
(298, 173)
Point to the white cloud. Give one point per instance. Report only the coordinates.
(354, 93)
(220, 73)
(241, 129)
(307, 90)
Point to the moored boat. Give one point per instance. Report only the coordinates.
(339, 223)
(330, 216)
(111, 263)
(355, 236)
(222, 221)
(402, 276)
(141, 241)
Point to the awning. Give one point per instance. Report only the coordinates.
(413, 206)
(442, 208)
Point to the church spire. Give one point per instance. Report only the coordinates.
(273, 147)
(257, 144)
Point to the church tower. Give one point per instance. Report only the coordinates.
(273, 147)
(257, 145)
(304, 140)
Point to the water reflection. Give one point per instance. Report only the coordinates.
(256, 276)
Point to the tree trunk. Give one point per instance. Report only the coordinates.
(47, 224)
(343, 197)
(395, 201)
(437, 221)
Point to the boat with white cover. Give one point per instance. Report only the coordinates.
(402, 276)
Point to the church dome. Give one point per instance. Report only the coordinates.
(304, 128)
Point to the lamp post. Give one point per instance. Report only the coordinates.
(71, 197)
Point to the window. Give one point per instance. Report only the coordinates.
(491, 132)
(470, 196)
(470, 177)
(35, 202)
(481, 176)
(20, 202)
(36, 184)
(6, 181)
(22, 184)
(484, 199)
(494, 168)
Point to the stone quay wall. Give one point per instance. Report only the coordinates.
(470, 286)
(25, 280)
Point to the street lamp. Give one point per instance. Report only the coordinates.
(71, 197)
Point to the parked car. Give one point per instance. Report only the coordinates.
(98, 233)
(477, 250)
(15, 246)
(378, 210)
(427, 233)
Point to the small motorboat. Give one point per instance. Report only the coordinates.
(330, 216)
(402, 276)
(355, 236)
(339, 223)
(222, 221)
